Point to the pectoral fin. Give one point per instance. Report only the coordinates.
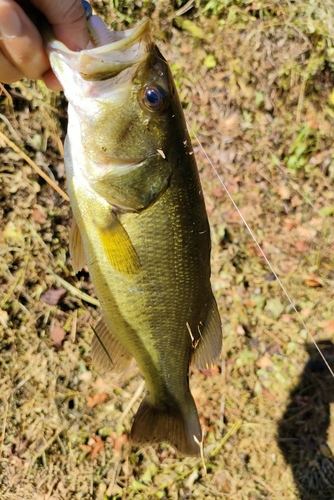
(76, 248)
(208, 349)
(108, 354)
(118, 246)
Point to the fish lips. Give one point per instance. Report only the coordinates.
(127, 49)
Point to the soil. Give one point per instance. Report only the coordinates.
(256, 83)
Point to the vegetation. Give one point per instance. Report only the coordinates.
(256, 82)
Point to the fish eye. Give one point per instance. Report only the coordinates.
(154, 98)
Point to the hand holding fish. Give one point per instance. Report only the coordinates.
(22, 52)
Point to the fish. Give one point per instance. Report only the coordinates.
(140, 223)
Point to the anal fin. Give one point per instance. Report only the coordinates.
(209, 346)
(77, 252)
(108, 353)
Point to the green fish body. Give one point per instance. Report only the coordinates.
(140, 225)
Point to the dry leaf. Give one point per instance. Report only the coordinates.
(39, 214)
(301, 246)
(329, 326)
(284, 192)
(119, 441)
(97, 447)
(210, 372)
(264, 362)
(296, 201)
(288, 224)
(95, 400)
(52, 297)
(57, 336)
(312, 282)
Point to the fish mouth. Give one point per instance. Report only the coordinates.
(123, 50)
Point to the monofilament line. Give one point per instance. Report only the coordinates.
(262, 253)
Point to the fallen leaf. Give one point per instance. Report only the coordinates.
(210, 371)
(39, 214)
(224, 482)
(301, 246)
(264, 362)
(119, 441)
(288, 224)
(52, 297)
(296, 201)
(284, 192)
(329, 326)
(97, 447)
(95, 400)
(312, 282)
(57, 336)
(94, 448)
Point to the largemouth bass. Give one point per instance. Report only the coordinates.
(140, 223)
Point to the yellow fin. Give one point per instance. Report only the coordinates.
(118, 246)
(108, 354)
(77, 252)
(209, 347)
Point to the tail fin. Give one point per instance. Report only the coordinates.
(177, 426)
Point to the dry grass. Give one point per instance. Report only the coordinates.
(256, 82)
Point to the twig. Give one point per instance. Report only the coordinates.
(5, 413)
(235, 427)
(182, 10)
(47, 445)
(72, 289)
(11, 128)
(40, 172)
(132, 401)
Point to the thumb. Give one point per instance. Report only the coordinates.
(68, 21)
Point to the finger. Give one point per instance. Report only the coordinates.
(8, 72)
(68, 21)
(21, 44)
(51, 81)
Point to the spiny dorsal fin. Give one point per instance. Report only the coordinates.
(108, 353)
(209, 346)
(118, 246)
(76, 248)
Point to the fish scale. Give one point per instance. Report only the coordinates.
(141, 224)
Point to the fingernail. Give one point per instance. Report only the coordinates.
(10, 25)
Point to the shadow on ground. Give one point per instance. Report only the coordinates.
(303, 430)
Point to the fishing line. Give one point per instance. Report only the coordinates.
(291, 302)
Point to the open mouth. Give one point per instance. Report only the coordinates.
(124, 50)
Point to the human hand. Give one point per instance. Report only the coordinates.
(22, 52)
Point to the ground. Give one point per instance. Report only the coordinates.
(256, 83)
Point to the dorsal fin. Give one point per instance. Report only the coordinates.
(77, 252)
(208, 349)
(108, 353)
(118, 246)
